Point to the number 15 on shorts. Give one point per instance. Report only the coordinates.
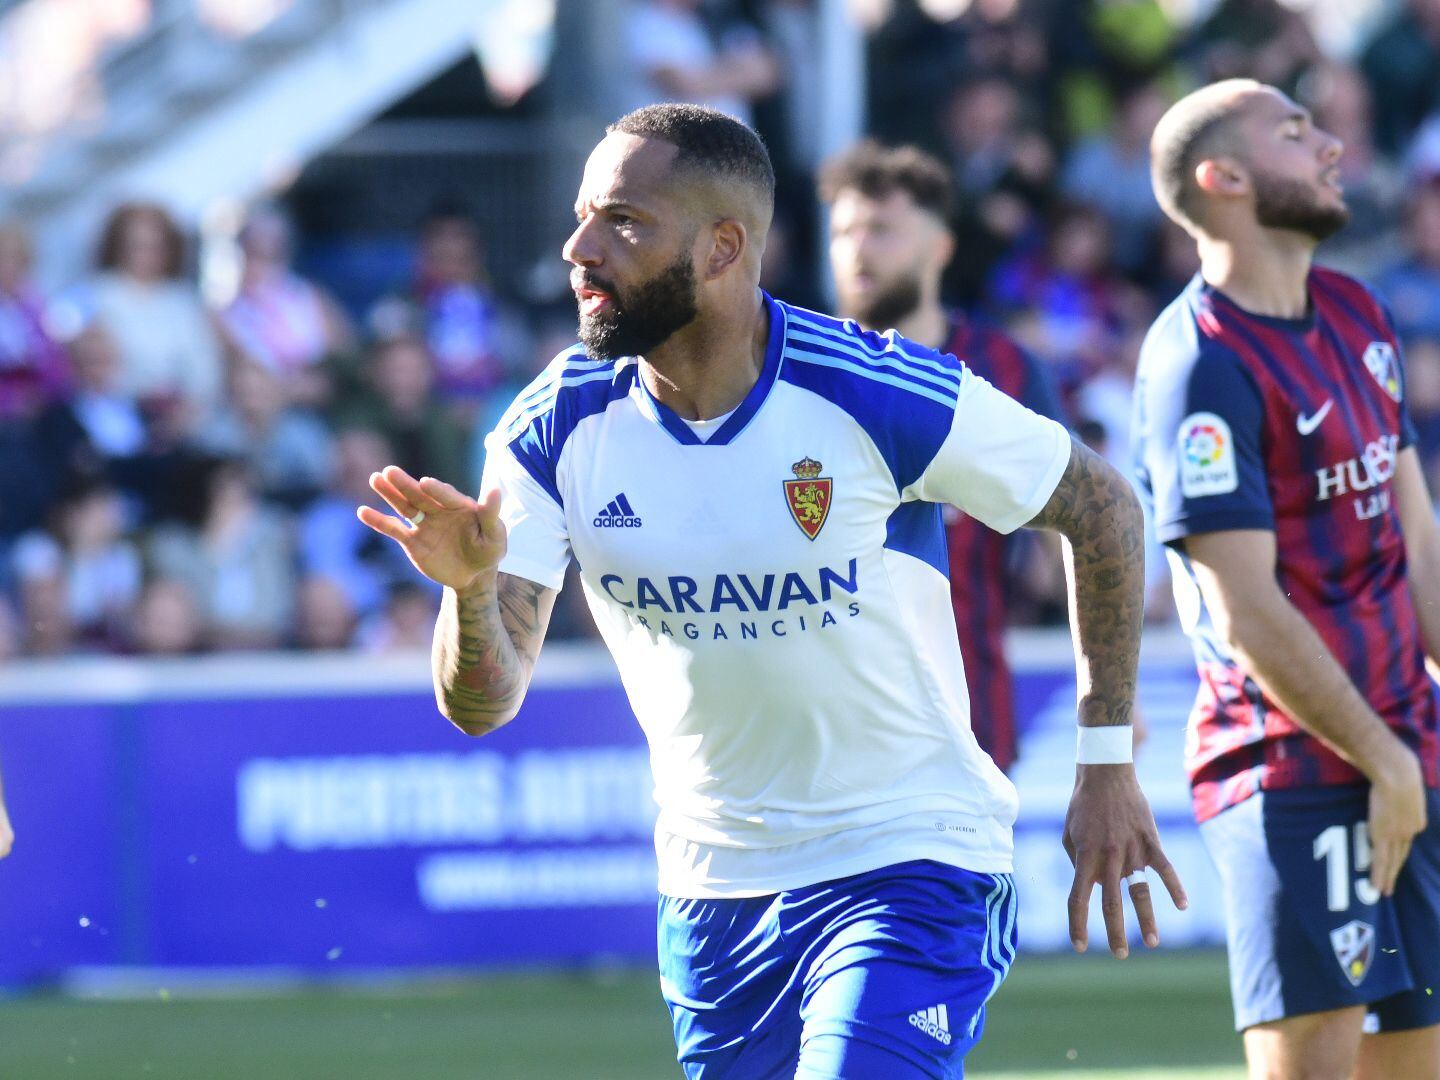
(1344, 882)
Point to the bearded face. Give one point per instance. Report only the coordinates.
(642, 317)
(1283, 202)
(887, 304)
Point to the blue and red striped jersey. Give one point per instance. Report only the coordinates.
(978, 553)
(1293, 425)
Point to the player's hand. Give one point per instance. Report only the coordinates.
(1110, 834)
(7, 834)
(456, 542)
(1397, 813)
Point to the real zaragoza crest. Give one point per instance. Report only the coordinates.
(808, 496)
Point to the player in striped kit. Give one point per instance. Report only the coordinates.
(890, 241)
(1275, 443)
(834, 848)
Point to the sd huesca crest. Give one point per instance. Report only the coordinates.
(808, 496)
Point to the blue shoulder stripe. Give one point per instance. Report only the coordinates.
(537, 426)
(875, 348)
(901, 381)
(523, 412)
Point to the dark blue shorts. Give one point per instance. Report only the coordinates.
(1306, 931)
(882, 974)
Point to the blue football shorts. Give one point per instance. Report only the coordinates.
(881, 974)
(1306, 931)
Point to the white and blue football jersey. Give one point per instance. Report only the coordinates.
(774, 590)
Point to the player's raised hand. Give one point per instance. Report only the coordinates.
(1397, 814)
(451, 538)
(7, 834)
(1111, 839)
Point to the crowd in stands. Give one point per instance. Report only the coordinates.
(182, 476)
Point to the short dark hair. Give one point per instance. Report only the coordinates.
(876, 171)
(1193, 128)
(708, 141)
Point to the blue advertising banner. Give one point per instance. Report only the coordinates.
(279, 812)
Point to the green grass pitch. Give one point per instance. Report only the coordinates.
(1153, 1017)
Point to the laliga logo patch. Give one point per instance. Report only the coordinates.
(808, 496)
(1354, 945)
(1207, 456)
(1381, 362)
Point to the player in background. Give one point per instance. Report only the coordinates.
(1274, 439)
(751, 492)
(890, 241)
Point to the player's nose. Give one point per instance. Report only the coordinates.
(1333, 150)
(580, 249)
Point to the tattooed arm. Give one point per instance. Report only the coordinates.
(1098, 515)
(1109, 830)
(491, 625)
(486, 641)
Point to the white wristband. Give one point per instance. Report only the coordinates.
(1111, 745)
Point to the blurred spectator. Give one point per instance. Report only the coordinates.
(1258, 39)
(1341, 103)
(78, 581)
(32, 375)
(407, 623)
(472, 336)
(1062, 297)
(911, 58)
(1173, 264)
(32, 365)
(793, 28)
(170, 358)
(1422, 396)
(234, 556)
(290, 452)
(325, 615)
(96, 423)
(1112, 173)
(167, 620)
(672, 56)
(1411, 286)
(1004, 170)
(1101, 49)
(278, 319)
(399, 402)
(1401, 64)
(335, 546)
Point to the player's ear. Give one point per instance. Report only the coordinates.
(728, 241)
(1222, 176)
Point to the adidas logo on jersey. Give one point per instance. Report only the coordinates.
(618, 514)
(934, 1022)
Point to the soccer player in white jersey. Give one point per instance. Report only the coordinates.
(752, 494)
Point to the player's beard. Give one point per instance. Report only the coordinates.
(643, 318)
(1282, 203)
(888, 306)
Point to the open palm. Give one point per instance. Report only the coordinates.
(451, 538)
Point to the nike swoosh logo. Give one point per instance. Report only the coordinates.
(1306, 424)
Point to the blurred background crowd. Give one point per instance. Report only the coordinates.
(188, 423)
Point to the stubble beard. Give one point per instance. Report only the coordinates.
(1282, 203)
(890, 306)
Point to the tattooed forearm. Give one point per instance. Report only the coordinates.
(486, 644)
(1097, 513)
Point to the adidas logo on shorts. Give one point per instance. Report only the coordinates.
(934, 1022)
